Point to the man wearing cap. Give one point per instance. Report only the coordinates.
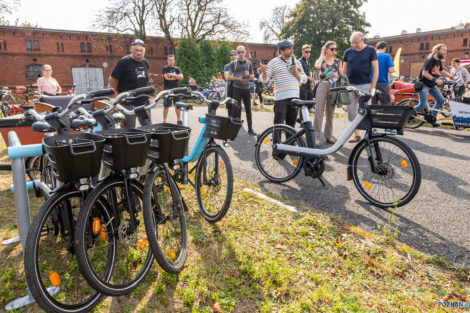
(287, 73)
(171, 76)
(240, 72)
(131, 72)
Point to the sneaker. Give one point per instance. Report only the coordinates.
(251, 132)
(180, 122)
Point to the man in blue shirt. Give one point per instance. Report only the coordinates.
(361, 66)
(385, 66)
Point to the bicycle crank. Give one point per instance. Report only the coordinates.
(314, 167)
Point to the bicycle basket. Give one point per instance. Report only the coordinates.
(389, 116)
(74, 156)
(221, 127)
(125, 148)
(169, 141)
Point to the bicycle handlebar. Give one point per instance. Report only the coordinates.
(36, 116)
(101, 93)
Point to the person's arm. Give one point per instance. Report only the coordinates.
(320, 59)
(301, 77)
(250, 70)
(345, 67)
(38, 83)
(391, 65)
(266, 72)
(446, 74)
(59, 89)
(375, 75)
(179, 76)
(113, 82)
(340, 68)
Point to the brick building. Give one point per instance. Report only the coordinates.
(416, 46)
(85, 59)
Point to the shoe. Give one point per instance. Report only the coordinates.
(252, 132)
(355, 139)
(298, 120)
(436, 125)
(332, 141)
(225, 143)
(180, 122)
(255, 104)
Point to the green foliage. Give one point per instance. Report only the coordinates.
(222, 56)
(209, 66)
(189, 59)
(316, 21)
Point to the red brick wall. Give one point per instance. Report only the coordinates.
(413, 57)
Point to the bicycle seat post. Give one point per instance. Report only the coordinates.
(185, 116)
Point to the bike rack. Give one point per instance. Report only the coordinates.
(17, 153)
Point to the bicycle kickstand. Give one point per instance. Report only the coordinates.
(322, 181)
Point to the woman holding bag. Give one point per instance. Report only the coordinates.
(330, 69)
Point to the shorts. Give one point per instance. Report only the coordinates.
(168, 102)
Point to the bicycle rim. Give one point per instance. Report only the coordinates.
(165, 221)
(399, 175)
(413, 122)
(214, 193)
(52, 263)
(277, 167)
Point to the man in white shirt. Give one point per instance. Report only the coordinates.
(287, 73)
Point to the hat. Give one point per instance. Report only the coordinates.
(233, 52)
(284, 44)
(138, 42)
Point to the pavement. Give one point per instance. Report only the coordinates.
(436, 221)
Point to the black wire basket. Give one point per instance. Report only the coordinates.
(221, 127)
(389, 116)
(125, 148)
(74, 156)
(169, 141)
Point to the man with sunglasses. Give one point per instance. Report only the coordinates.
(241, 71)
(306, 89)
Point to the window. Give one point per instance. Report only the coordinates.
(128, 49)
(62, 46)
(28, 45)
(58, 47)
(390, 49)
(421, 46)
(0, 45)
(110, 49)
(465, 42)
(88, 47)
(36, 45)
(4, 45)
(166, 50)
(427, 45)
(82, 47)
(33, 71)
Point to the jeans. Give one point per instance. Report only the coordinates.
(423, 99)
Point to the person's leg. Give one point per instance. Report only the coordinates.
(260, 96)
(166, 106)
(437, 95)
(321, 102)
(178, 115)
(280, 110)
(236, 111)
(352, 109)
(291, 113)
(423, 100)
(247, 103)
(330, 110)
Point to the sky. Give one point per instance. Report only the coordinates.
(387, 17)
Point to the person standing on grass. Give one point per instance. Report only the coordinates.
(362, 68)
(131, 72)
(171, 77)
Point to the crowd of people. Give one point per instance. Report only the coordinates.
(362, 66)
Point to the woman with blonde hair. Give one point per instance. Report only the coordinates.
(330, 69)
(47, 84)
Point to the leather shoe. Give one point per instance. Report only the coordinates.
(332, 141)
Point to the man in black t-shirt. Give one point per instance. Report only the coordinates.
(131, 72)
(429, 76)
(171, 76)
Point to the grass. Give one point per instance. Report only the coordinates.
(263, 258)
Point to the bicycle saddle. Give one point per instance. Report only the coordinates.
(181, 105)
(42, 127)
(299, 103)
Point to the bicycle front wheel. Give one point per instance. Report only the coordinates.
(275, 166)
(214, 184)
(397, 176)
(416, 120)
(51, 266)
(165, 221)
(124, 234)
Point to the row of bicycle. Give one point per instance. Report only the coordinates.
(112, 201)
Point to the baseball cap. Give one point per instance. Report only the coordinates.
(138, 42)
(233, 52)
(284, 44)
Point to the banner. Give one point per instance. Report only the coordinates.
(460, 113)
(396, 62)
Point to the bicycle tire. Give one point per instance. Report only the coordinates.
(405, 167)
(163, 203)
(130, 265)
(31, 163)
(412, 123)
(45, 223)
(211, 190)
(267, 137)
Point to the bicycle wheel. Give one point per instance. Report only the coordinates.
(165, 221)
(33, 165)
(214, 184)
(413, 122)
(51, 262)
(124, 234)
(398, 174)
(277, 167)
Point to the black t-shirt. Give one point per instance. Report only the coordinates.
(433, 67)
(170, 84)
(131, 74)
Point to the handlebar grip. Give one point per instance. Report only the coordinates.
(143, 91)
(342, 88)
(183, 90)
(101, 93)
(35, 115)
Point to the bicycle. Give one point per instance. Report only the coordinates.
(213, 180)
(425, 115)
(384, 169)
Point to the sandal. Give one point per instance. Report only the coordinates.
(355, 139)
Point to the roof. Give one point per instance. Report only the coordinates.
(456, 29)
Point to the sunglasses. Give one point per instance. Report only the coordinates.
(308, 51)
(232, 55)
(240, 52)
(333, 49)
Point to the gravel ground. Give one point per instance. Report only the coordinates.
(436, 221)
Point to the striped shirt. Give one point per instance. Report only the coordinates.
(286, 84)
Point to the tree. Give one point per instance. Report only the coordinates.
(272, 27)
(189, 59)
(222, 55)
(316, 21)
(127, 16)
(209, 66)
(166, 19)
(7, 7)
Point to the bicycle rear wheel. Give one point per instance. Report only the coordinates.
(413, 122)
(124, 234)
(214, 184)
(51, 263)
(398, 174)
(165, 221)
(278, 167)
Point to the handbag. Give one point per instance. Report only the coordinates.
(418, 86)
